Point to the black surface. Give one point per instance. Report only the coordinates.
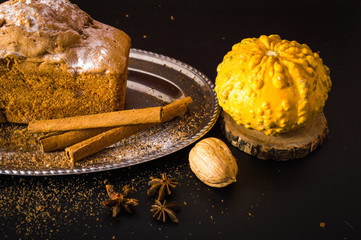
(270, 200)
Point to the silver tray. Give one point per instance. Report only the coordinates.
(153, 80)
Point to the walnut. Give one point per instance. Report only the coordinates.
(213, 163)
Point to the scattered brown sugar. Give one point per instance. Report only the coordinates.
(43, 205)
(14, 137)
(20, 150)
(46, 206)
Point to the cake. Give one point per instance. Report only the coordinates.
(56, 61)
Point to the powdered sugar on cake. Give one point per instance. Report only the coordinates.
(57, 30)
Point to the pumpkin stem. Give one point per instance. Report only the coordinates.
(272, 53)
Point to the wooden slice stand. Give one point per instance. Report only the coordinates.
(286, 146)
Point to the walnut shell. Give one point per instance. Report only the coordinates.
(213, 163)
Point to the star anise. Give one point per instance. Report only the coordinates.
(162, 211)
(120, 200)
(163, 186)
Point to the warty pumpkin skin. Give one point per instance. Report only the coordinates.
(272, 85)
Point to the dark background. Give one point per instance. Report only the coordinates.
(270, 200)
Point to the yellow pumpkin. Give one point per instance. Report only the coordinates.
(272, 85)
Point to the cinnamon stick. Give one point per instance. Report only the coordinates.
(58, 141)
(175, 109)
(102, 120)
(99, 142)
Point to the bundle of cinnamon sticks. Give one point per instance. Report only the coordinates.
(82, 136)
